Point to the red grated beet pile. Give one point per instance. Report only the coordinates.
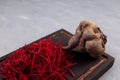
(44, 60)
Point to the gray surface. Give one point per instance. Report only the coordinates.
(24, 21)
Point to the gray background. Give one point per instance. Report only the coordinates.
(24, 21)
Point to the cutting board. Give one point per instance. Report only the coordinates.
(87, 68)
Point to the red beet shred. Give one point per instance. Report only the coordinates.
(44, 60)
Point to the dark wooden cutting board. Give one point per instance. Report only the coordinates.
(86, 68)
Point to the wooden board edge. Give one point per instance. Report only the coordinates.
(100, 70)
(107, 66)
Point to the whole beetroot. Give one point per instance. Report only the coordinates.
(87, 38)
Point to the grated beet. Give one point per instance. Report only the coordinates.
(44, 60)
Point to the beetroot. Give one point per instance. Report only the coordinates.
(44, 60)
